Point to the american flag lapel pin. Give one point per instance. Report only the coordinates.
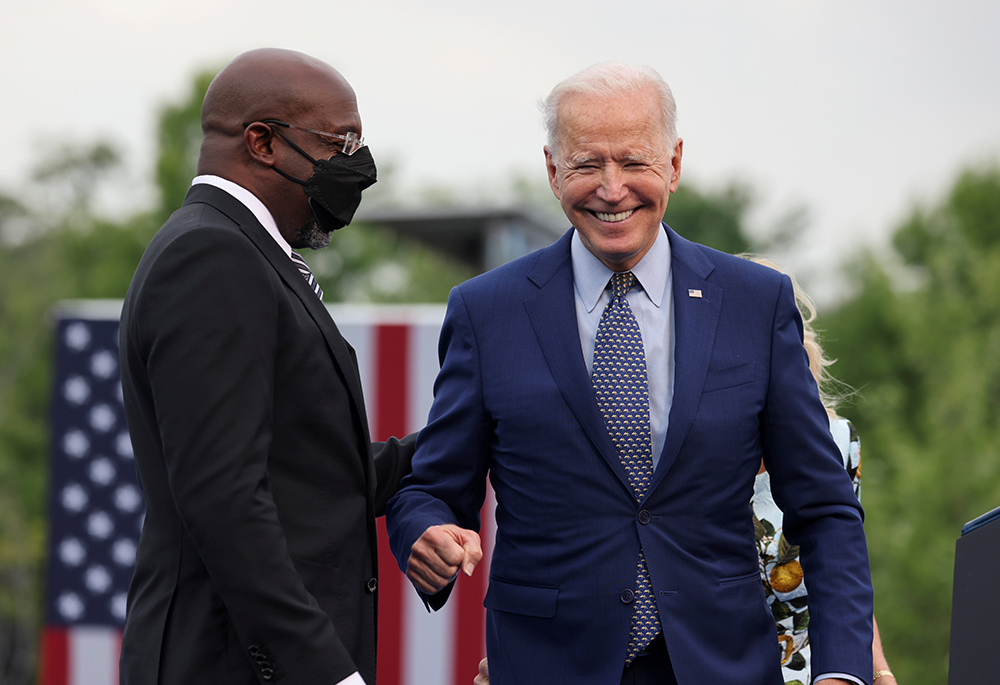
(693, 292)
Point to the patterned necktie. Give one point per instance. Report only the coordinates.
(622, 391)
(307, 274)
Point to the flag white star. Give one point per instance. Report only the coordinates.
(123, 552)
(70, 605)
(74, 497)
(123, 444)
(103, 364)
(76, 390)
(72, 552)
(100, 525)
(77, 336)
(102, 418)
(119, 603)
(102, 471)
(76, 443)
(127, 498)
(98, 579)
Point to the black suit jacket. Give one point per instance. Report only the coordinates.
(257, 560)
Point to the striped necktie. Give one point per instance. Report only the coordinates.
(622, 391)
(307, 274)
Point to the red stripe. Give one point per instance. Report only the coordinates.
(118, 653)
(392, 383)
(53, 657)
(391, 398)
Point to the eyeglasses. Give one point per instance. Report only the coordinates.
(350, 142)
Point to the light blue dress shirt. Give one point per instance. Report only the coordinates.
(652, 306)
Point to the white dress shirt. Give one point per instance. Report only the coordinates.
(251, 202)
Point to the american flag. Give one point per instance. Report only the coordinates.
(96, 506)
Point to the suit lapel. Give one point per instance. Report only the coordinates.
(289, 273)
(695, 321)
(553, 318)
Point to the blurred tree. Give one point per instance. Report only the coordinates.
(178, 145)
(58, 251)
(922, 345)
(716, 219)
(70, 175)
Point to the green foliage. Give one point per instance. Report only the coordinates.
(716, 219)
(179, 139)
(926, 359)
(366, 264)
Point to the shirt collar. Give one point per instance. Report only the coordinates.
(591, 275)
(252, 202)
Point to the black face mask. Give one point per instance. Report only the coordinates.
(334, 189)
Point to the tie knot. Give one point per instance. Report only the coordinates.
(621, 283)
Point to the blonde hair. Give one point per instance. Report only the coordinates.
(831, 391)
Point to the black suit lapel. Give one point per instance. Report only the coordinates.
(290, 274)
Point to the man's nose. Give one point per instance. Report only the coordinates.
(613, 189)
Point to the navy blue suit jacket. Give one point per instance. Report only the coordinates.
(514, 402)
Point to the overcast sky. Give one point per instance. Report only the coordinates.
(855, 108)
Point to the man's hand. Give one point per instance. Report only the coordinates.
(484, 674)
(439, 554)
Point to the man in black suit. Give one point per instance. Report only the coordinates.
(257, 560)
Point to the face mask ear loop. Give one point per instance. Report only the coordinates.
(297, 149)
(290, 178)
(294, 146)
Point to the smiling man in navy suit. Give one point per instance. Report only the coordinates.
(620, 390)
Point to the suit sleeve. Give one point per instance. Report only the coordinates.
(821, 512)
(448, 481)
(207, 327)
(392, 461)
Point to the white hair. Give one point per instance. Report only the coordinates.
(604, 80)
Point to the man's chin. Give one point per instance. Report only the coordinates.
(313, 237)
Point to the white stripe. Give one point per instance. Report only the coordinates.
(423, 370)
(93, 655)
(428, 645)
(361, 337)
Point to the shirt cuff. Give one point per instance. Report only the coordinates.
(353, 679)
(842, 676)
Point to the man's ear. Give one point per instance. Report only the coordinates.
(259, 141)
(675, 174)
(550, 167)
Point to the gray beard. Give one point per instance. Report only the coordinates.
(313, 237)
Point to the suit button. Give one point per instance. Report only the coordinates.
(371, 586)
(266, 673)
(254, 651)
(627, 596)
(645, 517)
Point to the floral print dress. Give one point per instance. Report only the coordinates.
(780, 570)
